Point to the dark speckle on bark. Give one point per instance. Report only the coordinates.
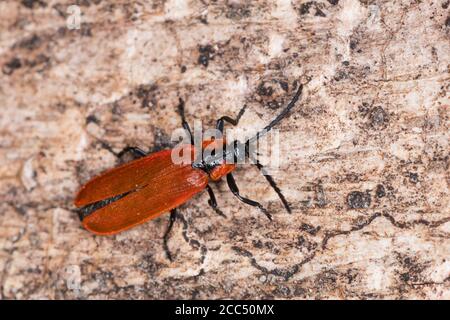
(341, 75)
(238, 11)
(264, 90)
(206, 54)
(310, 229)
(413, 177)
(304, 8)
(320, 13)
(284, 85)
(358, 200)
(92, 118)
(146, 94)
(381, 192)
(12, 65)
(31, 43)
(30, 4)
(378, 117)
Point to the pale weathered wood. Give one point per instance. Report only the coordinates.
(365, 153)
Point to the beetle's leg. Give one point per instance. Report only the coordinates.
(212, 201)
(234, 122)
(235, 190)
(137, 152)
(184, 123)
(274, 186)
(173, 217)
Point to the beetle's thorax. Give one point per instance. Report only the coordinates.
(220, 164)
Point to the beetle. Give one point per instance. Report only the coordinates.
(144, 188)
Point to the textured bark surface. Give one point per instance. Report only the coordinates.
(366, 166)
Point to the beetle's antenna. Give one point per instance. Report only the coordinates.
(280, 117)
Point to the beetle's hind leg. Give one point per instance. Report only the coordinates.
(274, 186)
(212, 201)
(172, 218)
(235, 190)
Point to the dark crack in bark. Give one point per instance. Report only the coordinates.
(390, 218)
(285, 273)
